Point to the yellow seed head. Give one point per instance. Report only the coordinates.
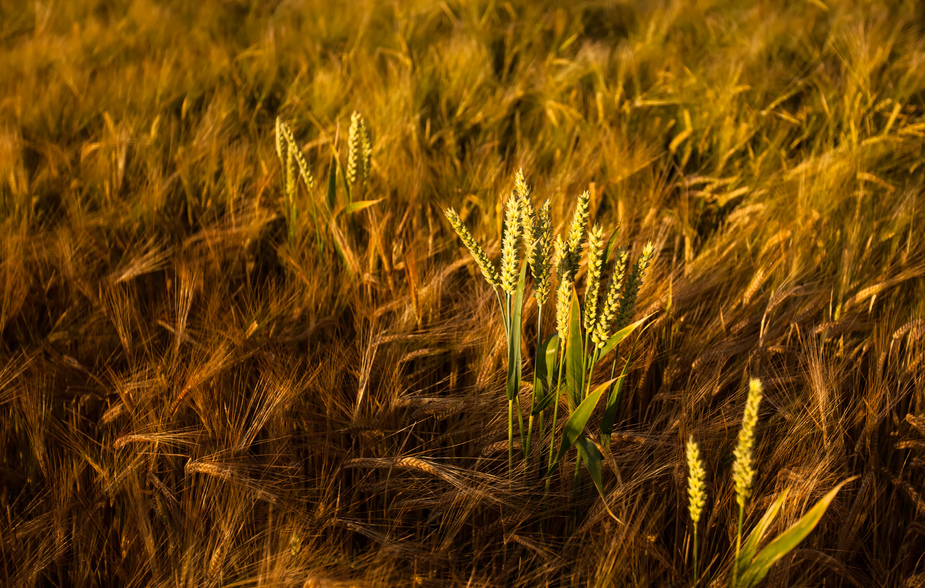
(355, 147)
(576, 233)
(595, 269)
(540, 263)
(742, 470)
(696, 488)
(481, 258)
(601, 331)
(563, 302)
(633, 283)
(513, 228)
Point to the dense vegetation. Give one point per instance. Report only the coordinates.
(208, 380)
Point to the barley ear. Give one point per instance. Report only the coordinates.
(742, 470)
(595, 270)
(696, 489)
(481, 258)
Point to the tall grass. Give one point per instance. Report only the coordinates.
(211, 379)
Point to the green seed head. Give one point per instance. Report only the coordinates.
(540, 263)
(696, 489)
(358, 149)
(633, 283)
(481, 258)
(601, 331)
(563, 302)
(742, 470)
(595, 270)
(513, 228)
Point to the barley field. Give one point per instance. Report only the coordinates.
(464, 293)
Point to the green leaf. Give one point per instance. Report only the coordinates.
(353, 207)
(576, 423)
(611, 245)
(620, 336)
(757, 534)
(514, 367)
(610, 410)
(347, 188)
(332, 183)
(543, 367)
(759, 567)
(574, 355)
(592, 457)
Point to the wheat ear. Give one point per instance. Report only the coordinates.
(481, 258)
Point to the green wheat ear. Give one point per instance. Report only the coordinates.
(359, 150)
(633, 283)
(696, 488)
(742, 471)
(540, 263)
(576, 237)
(513, 229)
(595, 271)
(601, 331)
(481, 258)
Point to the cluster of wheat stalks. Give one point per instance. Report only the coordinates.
(582, 338)
(583, 333)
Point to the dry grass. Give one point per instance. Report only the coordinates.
(194, 398)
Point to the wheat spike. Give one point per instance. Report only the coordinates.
(601, 331)
(513, 227)
(481, 258)
(353, 147)
(633, 283)
(696, 489)
(563, 302)
(595, 269)
(742, 470)
(576, 237)
(540, 263)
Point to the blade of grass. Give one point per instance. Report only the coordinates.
(575, 425)
(759, 567)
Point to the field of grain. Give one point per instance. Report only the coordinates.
(242, 344)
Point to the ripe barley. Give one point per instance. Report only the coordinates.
(481, 258)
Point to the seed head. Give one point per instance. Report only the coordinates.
(563, 303)
(742, 471)
(481, 258)
(595, 269)
(696, 489)
(633, 283)
(513, 228)
(540, 264)
(601, 331)
(359, 150)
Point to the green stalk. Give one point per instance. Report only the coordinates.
(695, 556)
(735, 566)
(539, 339)
(555, 416)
